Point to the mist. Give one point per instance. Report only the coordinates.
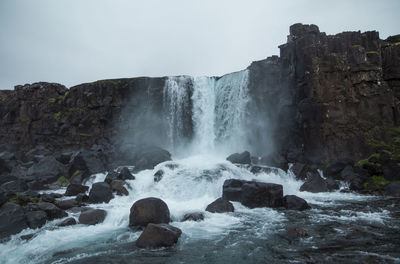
(71, 42)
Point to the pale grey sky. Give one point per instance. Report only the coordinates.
(76, 41)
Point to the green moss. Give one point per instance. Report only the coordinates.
(51, 100)
(64, 181)
(356, 46)
(13, 199)
(63, 97)
(57, 202)
(376, 182)
(395, 44)
(367, 162)
(75, 109)
(57, 116)
(371, 52)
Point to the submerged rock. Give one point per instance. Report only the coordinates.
(92, 216)
(198, 216)
(149, 210)
(293, 202)
(12, 219)
(295, 232)
(158, 235)
(220, 206)
(240, 158)
(100, 193)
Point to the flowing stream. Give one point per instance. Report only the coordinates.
(341, 227)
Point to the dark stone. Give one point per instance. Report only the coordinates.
(240, 158)
(294, 232)
(86, 161)
(392, 171)
(36, 219)
(158, 235)
(356, 184)
(232, 190)
(47, 170)
(347, 174)
(158, 175)
(47, 197)
(314, 183)
(27, 237)
(299, 170)
(198, 216)
(82, 198)
(111, 176)
(14, 187)
(149, 210)
(100, 193)
(52, 211)
(147, 157)
(68, 222)
(334, 170)
(12, 220)
(125, 174)
(220, 206)
(3, 198)
(75, 189)
(259, 194)
(92, 216)
(67, 204)
(118, 187)
(292, 202)
(392, 189)
(332, 185)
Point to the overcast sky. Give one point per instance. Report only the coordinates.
(76, 41)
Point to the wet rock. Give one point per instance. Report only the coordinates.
(232, 190)
(356, 184)
(125, 174)
(82, 198)
(293, 202)
(240, 158)
(75, 189)
(314, 183)
(14, 186)
(158, 175)
(220, 206)
(92, 216)
(3, 198)
(393, 189)
(335, 169)
(100, 193)
(118, 187)
(12, 219)
(332, 185)
(67, 204)
(149, 210)
(68, 222)
(52, 211)
(295, 232)
(347, 174)
(299, 170)
(47, 170)
(36, 219)
(27, 237)
(198, 216)
(158, 235)
(86, 161)
(147, 157)
(259, 194)
(5, 158)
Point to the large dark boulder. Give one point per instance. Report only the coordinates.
(92, 216)
(100, 193)
(67, 204)
(118, 187)
(75, 189)
(36, 219)
(87, 162)
(232, 190)
(125, 174)
(293, 202)
(299, 170)
(47, 170)
(314, 183)
(259, 194)
(392, 189)
(52, 211)
(12, 220)
(147, 157)
(67, 222)
(240, 158)
(158, 235)
(13, 187)
(220, 206)
(149, 210)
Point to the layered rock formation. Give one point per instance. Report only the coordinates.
(325, 98)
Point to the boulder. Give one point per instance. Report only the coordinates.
(100, 193)
(314, 183)
(90, 162)
(125, 174)
(118, 187)
(392, 189)
(92, 216)
(220, 206)
(52, 211)
(75, 189)
(356, 184)
(36, 219)
(47, 170)
(240, 158)
(158, 235)
(299, 170)
(198, 216)
(13, 187)
(259, 194)
(67, 204)
(12, 220)
(68, 222)
(347, 174)
(82, 198)
(149, 210)
(293, 202)
(232, 190)
(332, 185)
(147, 157)
(5, 158)
(158, 175)
(334, 170)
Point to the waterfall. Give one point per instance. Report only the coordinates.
(218, 111)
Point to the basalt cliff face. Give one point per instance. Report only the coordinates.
(324, 99)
